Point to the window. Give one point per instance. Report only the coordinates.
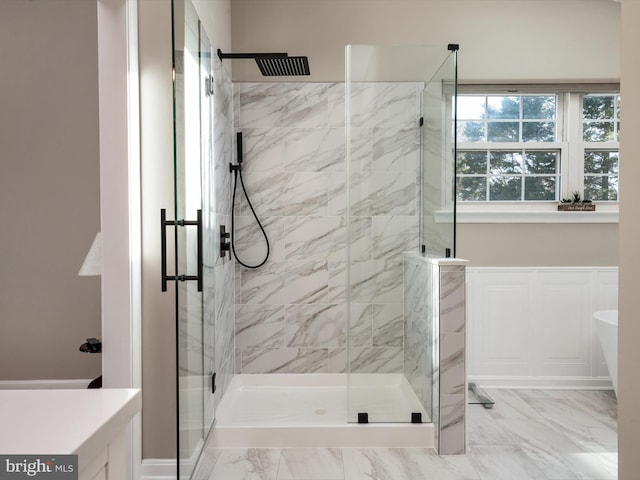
(601, 137)
(537, 147)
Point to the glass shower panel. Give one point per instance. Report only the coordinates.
(192, 141)
(208, 224)
(438, 226)
(386, 163)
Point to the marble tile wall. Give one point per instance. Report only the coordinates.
(452, 373)
(434, 356)
(384, 200)
(291, 314)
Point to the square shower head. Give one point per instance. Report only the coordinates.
(283, 66)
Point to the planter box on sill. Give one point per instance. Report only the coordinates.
(576, 207)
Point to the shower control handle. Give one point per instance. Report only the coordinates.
(225, 245)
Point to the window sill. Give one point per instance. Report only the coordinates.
(527, 214)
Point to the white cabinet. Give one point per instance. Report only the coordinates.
(89, 423)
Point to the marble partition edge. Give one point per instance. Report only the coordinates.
(437, 295)
(452, 357)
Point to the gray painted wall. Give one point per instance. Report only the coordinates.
(49, 188)
(500, 40)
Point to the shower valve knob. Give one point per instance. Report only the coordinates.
(225, 246)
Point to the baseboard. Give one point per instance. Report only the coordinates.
(159, 469)
(74, 383)
(167, 468)
(541, 383)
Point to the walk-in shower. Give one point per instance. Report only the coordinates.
(338, 338)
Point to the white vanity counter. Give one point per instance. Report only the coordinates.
(90, 423)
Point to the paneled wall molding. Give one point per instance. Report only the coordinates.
(532, 327)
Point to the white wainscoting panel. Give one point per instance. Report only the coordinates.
(562, 323)
(533, 327)
(500, 321)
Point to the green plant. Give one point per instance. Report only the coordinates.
(575, 198)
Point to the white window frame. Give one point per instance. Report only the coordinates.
(571, 147)
(605, 146)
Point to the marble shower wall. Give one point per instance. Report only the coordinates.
(384, 221)
(452, 371)
(291, 313)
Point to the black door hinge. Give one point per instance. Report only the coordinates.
(213, 383)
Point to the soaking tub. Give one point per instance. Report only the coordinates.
(607, 329)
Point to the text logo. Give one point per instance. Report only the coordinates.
(50, 467)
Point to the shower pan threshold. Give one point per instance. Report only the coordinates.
(310, 410)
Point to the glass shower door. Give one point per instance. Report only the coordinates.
(195, 333)
(396, 138)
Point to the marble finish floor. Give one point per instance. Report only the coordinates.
(528, 435)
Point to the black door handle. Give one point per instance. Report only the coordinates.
(164, 223)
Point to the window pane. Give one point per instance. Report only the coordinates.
(472, 188)
(540, 188)
(472, 162)
(539, 107)
(471, 108)
(505, 162)
(541, 162)
(538, 131)
(601, 188)
(503, 132)
(598, 107)
(601, 162)
(505, 188)
(598, 132)
(503, 107)
(618, 105)
(471, 131)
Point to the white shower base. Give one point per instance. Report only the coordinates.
(289, 410)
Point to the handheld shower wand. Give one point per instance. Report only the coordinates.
(237, 174)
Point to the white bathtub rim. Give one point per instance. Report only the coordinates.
(607, 316)
(607, 333)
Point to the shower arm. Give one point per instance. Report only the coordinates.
(222, 56)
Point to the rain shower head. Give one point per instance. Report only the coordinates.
(283, 66)
(274, 64)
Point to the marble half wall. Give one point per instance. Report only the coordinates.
(435, 344)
